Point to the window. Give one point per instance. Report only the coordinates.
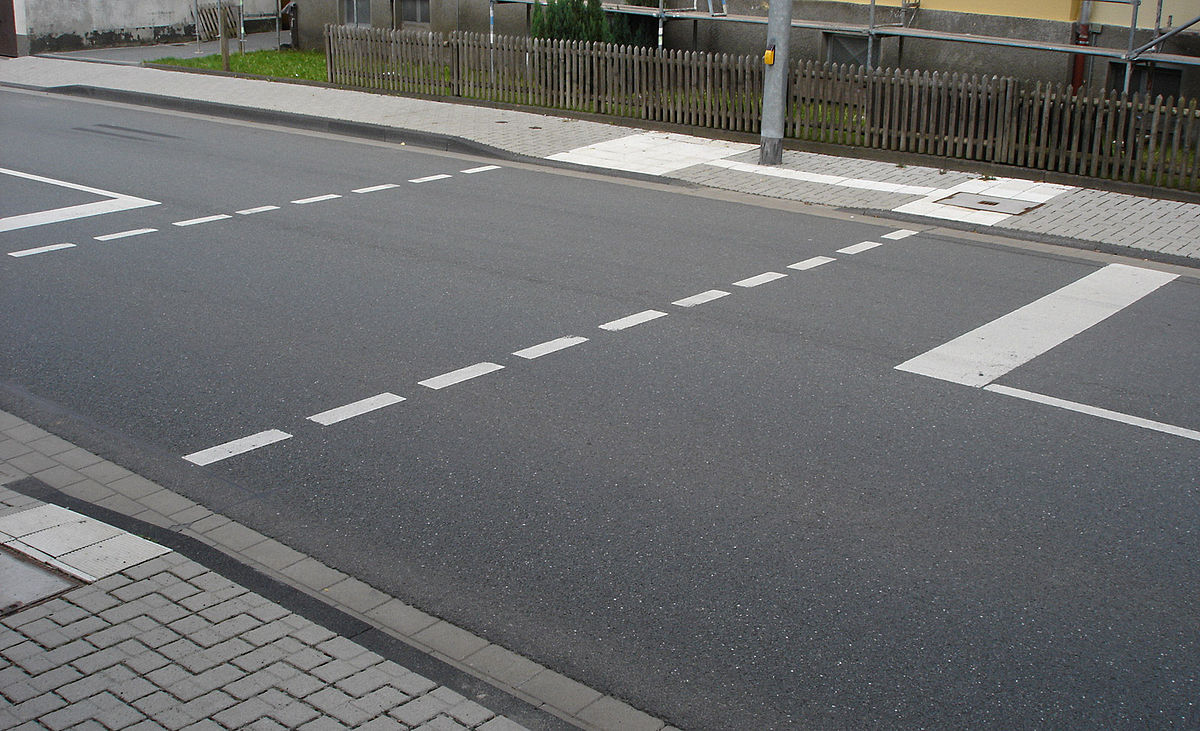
(414, 11)
(846, 49)
(1146, 79)
(356, 12)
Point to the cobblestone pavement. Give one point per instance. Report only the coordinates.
(1129, 224)
(168, 643)
(225, 630)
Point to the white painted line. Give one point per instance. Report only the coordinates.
(460, 375)
(859, 248)
(759, 279)
(631, 320)
(550, 346)
(205, 219)
(812, 263)
(1095, 411)
(317, 199)
(483, 169)
(116, 202)
(125, 234)
(40, 250)
(236, 447)
(699, 299)
(981, 356)
(375, 188)
(429, 178)
(358, 408)
(900, 234)
(260, 209)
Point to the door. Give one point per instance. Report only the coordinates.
(8, 29)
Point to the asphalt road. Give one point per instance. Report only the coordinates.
(739, 515)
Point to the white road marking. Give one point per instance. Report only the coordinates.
(40, 250)
(125, 234)
(699, 299)
(260, 209)
(900, 234)
(655, 153)
(236, 447)
(859, 248)
(759, 279)
(358, 408)
(375, 188)
(429, 178)
(116, 202)
(317, 199)
(1095, 411)
(631, 320)
(460, 375)
(820, 178)
(483, 169)
(984, 354)
(205, 219)
(550, 346)
(812, 263)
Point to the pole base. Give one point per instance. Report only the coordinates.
(770, 151)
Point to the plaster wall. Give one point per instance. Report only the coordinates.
(64, 24)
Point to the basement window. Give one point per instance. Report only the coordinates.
(414, 11)
(356, 12)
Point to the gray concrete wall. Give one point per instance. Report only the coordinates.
(69, 24)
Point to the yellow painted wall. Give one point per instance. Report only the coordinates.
(1067, 10)
(1114, 14)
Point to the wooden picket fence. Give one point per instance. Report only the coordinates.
(1037, 126)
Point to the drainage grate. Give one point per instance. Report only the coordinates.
(977, 202)
(24, 582)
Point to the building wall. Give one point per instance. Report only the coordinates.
(68, 24)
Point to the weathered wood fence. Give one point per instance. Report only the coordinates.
(990, 119)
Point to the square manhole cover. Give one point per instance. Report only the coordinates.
(23, 582)
(978, 202)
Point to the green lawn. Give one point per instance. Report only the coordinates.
(285, 64)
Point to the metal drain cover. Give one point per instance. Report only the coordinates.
(977, 202)
(23, 582)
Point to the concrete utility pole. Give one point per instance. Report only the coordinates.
(775, 57)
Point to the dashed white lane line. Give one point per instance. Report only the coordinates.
(859, 248)
(984, 354)
(759, 279)
(358, 408)
(205, 219)
(236, 447)
(811, 263)
(699, 299)
(548, 347)
(260, 209)
(460, 375)
(40, 250)
(631, 320)
(429, 178)
(125, 234)
(316, 199)
(903, 233)
(483, 169)
(1095, 411)
(375, 188)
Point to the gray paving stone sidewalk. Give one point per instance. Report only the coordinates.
(170, 644)
(1091, 218)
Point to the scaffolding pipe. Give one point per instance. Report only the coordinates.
(1157, 41)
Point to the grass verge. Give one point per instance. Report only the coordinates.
(284, 64)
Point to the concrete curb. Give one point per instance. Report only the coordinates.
(89, 484)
